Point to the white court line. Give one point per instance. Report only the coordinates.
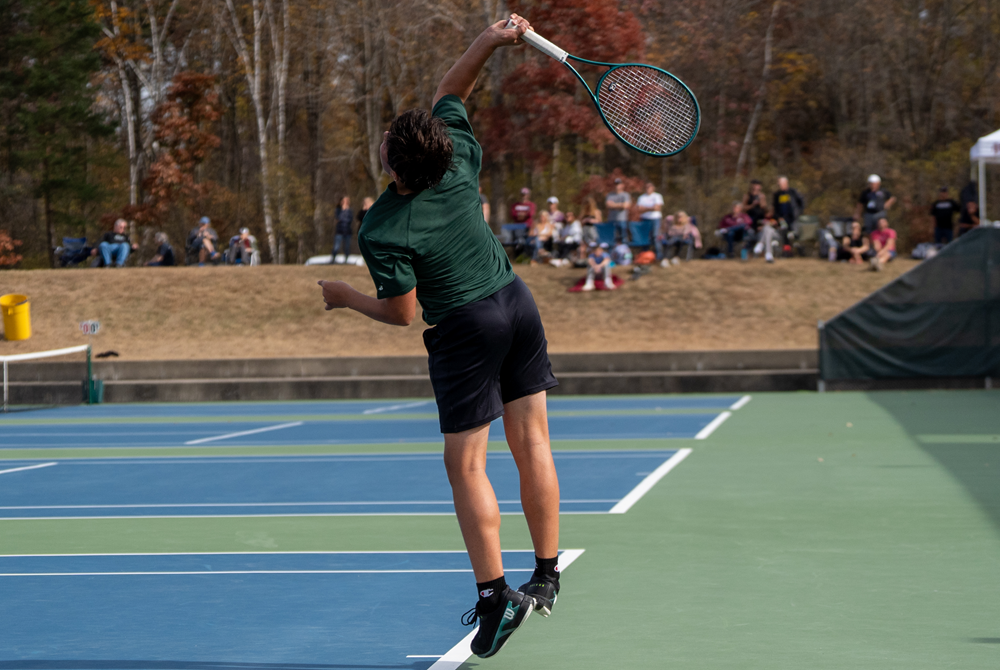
(28, 467)
(710, 428)
(276, 504)
(461, 652)
(739, 403)
(245, 432)
(649, 482)
(390, 408)
(239, 572)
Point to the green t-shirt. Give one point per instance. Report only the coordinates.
(437, 240)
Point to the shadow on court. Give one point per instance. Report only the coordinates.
(61, 664)
(961, 430)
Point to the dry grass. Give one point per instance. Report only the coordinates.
(272, 311)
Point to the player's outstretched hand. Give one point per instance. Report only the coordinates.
(502, 36)
(335, 294)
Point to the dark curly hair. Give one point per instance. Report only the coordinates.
(419, 149)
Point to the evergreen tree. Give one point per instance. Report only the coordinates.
(47, 59)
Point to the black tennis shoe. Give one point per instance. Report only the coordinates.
(497, 626)
(543, 592)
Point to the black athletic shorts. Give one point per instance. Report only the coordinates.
(485, 354)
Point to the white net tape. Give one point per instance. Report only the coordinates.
(648, 108)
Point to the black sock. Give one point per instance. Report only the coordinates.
(546, 569)
(490, 592)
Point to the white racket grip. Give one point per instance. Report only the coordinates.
(542, 44)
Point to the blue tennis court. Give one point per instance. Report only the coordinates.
(225, 610)
(590, 482)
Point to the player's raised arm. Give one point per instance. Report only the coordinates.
(461, 78)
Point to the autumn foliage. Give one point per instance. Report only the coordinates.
(8, 249)
(183, 134)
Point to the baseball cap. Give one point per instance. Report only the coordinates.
(604, 245)
(553, 199)
(617, 180)
(592, 245)
(525, 190)
(874, 178)
(244, 230)
(204, 219)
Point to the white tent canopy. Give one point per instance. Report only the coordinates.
(985, 150)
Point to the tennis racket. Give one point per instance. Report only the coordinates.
(645, 107)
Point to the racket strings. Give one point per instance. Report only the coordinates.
(649, 109)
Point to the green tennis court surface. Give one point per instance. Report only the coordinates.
(843, 530)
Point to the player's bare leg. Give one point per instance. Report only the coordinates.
(475, 502)
(526, 424)
(501, 609)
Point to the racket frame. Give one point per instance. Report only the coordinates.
(561, 55)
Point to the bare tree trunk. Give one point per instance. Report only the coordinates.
(281, 50)
(372, 94)
(50, 225)
(761, 92)
(253, 68)
(556, 151)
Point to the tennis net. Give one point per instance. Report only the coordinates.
(38, 381)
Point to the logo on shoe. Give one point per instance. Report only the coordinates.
(509, 613)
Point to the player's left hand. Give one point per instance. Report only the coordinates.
(335, 294)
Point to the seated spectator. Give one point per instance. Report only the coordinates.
(660, 237)
(164, 252)
(734, 227)
(203, 240)
(599, 267)
(523, 211)
(557, 216)
(591, 217)
(944, 210)
(883, 244)
(680, 233)
(545, 235)
(854, 247)
(115, 245)
(622, 254)
(753, 201)
(570, 236)
(969, 218)
(242, 248)
(767, 238)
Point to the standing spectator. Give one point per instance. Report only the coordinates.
(650, 206)
(883, 244)
(599, 267)
(115, 245)
(734, 227)
(366, 204)
(591, 217)
(203, 239)
(854, 247)
(787, 203)
(557, 216)
(484, 202)
(343, 219)
(164, 252)
(523, 211)
(619, 202)
(969, 218)
(874, 203)
(944, 210)
(242, 248)
(754, 202)
(680, 233)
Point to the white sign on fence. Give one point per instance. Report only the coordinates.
(90, 327)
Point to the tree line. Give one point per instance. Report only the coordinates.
(263, 113)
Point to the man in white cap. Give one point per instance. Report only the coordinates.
(874, 203)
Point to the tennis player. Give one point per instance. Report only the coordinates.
(425, 240)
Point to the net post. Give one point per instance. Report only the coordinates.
(90, 379)
(5, 387)
(821, 383)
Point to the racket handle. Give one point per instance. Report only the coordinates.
(542, 44)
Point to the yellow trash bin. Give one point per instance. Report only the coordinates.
(16, 316)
